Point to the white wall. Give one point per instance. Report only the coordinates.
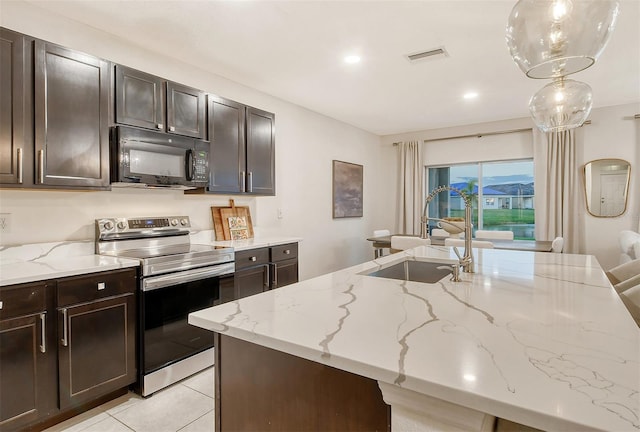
(613, 133)
(306, 143)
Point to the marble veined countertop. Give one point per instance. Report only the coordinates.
(541, 339)
(209, 237)
(42, 261)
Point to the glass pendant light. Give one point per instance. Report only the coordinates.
(561, 105)
(554, 38)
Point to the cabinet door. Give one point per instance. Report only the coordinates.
(261, 176)
(71, 118)
(15, 103)
(27, 357)
(139, 99)
(96, 349)
(186, 111)
(284, 273)
(227, 154)
(250, 281)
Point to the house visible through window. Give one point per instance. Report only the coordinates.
(505, 189)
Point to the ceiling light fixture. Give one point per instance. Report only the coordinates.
(352, 59)
(556, 38)
(470, 95)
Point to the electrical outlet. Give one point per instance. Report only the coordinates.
(5, 223)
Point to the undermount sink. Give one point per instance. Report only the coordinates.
(416, 271)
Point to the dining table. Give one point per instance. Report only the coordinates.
(382, 242)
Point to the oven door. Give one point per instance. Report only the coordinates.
(167, 301)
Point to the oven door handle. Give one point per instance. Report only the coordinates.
(157, 282)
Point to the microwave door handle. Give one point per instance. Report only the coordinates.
(189, 162)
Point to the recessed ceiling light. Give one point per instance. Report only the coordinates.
(470, 95)
(352, 59)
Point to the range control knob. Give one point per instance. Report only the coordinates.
(108, 225)
(184, 222)
(174, 222)
(122, 225)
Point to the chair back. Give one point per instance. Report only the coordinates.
(557, 244)
(381, 233)
(489, 234)
(408, 242)
(480, 244)
(439, 232)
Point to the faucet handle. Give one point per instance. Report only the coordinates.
(455, 249)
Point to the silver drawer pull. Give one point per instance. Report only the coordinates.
(0, 305)
(101, 286)
(172, 128)
(159, 125)
(253, 259)
(287, 252)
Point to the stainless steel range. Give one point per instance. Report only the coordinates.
(176, 278)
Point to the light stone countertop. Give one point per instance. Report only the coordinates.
(44, 261)
(209, 238)
(541, 339)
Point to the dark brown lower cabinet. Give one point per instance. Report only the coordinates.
(28, 388)
(66, 346)
(97, 349)
(284, 273)
(257, 388)
(252, 280)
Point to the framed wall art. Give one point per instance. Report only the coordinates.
(347, 189)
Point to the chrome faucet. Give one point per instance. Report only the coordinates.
(466, 261)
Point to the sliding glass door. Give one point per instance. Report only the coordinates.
(501, 192)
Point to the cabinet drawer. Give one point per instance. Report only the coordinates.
(252, 257)
(23, 299)
(85, 288)
(284, 252)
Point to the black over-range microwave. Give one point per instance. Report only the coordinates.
(144, 158)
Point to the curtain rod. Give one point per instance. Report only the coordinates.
(480, 134)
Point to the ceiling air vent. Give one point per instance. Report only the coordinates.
(431, 54)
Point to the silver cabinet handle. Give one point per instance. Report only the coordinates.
(275, 276)
(267, 276)
(19, 160)
(287, 252)
(159, 125)
(101, 286)
(43, 332)
(253, 259)
(172, 128)
(65, 328)
(40, 166)
(250, 178)
(243, 182)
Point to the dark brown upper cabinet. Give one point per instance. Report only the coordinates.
(261, 175)
(16, 109)
(151, 102)
(71, 118)
(139, 99)
(242, 156)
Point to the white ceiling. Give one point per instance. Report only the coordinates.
(294, 50)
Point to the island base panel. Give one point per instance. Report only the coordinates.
(257, 388)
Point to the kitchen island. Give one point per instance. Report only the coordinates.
(536, 338)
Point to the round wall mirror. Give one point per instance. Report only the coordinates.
(606, 186)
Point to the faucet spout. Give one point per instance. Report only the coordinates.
(467, 259)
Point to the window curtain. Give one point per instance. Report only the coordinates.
(559, 197)
(411, 187)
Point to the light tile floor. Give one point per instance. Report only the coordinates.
(186, 406)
